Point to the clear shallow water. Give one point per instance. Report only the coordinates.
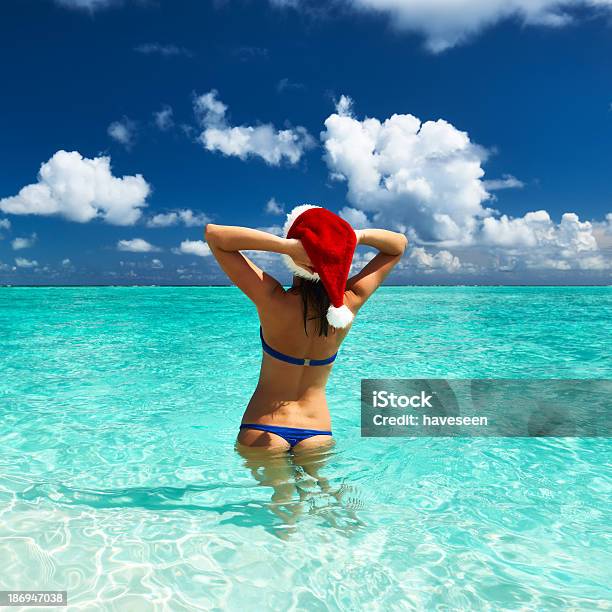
(119, 481)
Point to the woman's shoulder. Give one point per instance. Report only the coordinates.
(284, 305)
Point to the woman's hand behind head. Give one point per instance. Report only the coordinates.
(297, 252)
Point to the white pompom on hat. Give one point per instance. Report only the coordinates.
(330, 244)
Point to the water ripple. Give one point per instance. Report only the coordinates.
(119, 481)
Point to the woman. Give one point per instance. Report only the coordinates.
(288, 410)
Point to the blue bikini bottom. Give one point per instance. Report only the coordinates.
(292, 435)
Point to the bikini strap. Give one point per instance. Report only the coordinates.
(293, 360)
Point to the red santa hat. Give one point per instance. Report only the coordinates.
(330, 243)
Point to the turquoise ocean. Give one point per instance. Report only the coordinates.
(119, 481)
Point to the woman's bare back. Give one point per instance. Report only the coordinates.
(287, 394)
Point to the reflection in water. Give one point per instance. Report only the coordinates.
(299, 488)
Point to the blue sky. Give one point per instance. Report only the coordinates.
(496, 164)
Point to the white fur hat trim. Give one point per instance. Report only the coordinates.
(339, 317)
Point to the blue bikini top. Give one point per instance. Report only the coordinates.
(294, 360)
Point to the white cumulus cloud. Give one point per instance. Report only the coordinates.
(427, 179)
(357, 218)
(263, 140)
(136, 245)
(81, 189)
(426, 175)
(5, 224)
(602, 230)
(527, 231)
(185, 216)
(361, 259)
(536, 241)
(193, 247)
(429, 262)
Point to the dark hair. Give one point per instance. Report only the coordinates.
(314, 300)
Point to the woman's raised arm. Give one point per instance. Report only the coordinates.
(226, 242)
(234, 238)
(391, 246)
(390, 243)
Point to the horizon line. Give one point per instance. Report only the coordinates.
(7, 286)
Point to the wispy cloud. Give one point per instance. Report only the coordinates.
(22, 262)
(445, 24)
(287, 85)
(274, 208)
(506, 182)
(165, 50)
(247, 53)
(123, 131)
(164, 118)
(24, 243)
(87, 5)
